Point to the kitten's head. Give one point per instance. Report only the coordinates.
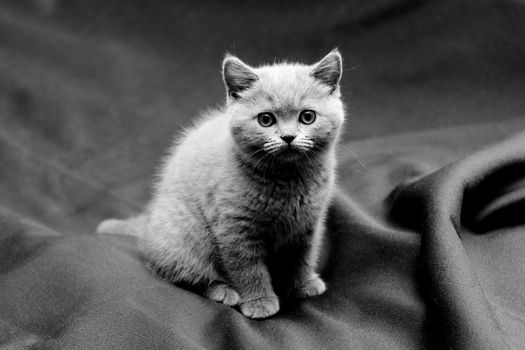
(288, 112)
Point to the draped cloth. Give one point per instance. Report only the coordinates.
(437, 262)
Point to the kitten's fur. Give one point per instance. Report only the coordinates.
(236, 210)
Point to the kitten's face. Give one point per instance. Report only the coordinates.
(286, 112)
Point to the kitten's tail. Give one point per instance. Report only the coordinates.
(134, 226)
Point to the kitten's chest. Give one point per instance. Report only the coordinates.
(292, 207)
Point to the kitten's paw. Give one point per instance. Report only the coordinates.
(223, 293)
(311, 288)
(260, 307)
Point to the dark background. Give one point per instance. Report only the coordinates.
(91, 92)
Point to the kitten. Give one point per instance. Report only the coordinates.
(241, 199)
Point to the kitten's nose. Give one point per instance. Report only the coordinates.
(288, 138)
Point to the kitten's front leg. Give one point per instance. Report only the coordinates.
(310, 286)
(242, 260)
(307, 281)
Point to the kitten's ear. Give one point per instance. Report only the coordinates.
(237, 75)
(329, 70)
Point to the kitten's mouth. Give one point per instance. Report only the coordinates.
(288, 152)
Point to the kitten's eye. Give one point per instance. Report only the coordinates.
(307, 117)
(266, 119)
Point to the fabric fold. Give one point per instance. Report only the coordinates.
(477, 194)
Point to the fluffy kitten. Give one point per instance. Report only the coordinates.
(240, 204)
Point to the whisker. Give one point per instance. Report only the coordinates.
(260, 161)
(363, 165)
(270, 144)
(272, 149)
(304, 144)
(251, 154)
(356, 169)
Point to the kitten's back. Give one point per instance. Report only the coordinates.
(187, 169)
(201, 150)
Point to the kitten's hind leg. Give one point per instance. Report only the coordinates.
(222, 293)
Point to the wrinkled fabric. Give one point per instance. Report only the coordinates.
(482, 194)
(413, 269)
(424, 246)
